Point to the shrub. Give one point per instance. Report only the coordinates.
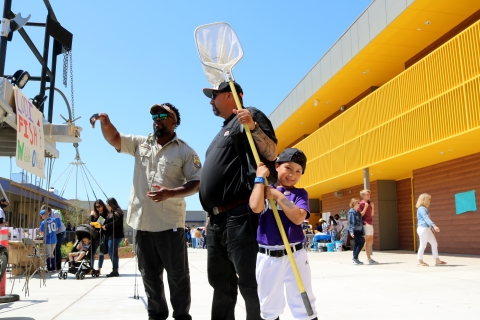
(66, 249)
(125, 249)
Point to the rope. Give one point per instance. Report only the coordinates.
(85, 173)
(86, 191)
(66, 181)
(61, 175)
(96, 182)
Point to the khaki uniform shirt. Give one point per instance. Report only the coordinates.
(170, 166)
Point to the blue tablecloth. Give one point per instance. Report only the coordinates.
(322, 237)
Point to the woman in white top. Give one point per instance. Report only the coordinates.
(424, 230)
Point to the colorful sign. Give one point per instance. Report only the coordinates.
(30, 154)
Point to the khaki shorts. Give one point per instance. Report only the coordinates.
(368, 229)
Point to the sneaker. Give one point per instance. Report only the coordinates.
(357, 262)
(371, 261)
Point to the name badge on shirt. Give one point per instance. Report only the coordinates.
(174, 229)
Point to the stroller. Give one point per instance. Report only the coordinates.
(83, 267)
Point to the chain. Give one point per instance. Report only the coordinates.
(71, 83)
(65, 66)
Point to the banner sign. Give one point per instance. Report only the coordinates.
(30, 154)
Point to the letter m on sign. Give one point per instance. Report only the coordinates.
(20, 149)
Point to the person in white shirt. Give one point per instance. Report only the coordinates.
(192, 236)
(339, 227)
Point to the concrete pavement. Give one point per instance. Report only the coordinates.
(395, 289)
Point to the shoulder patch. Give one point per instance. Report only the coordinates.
(196, 162)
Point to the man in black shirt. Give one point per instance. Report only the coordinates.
(225, 187)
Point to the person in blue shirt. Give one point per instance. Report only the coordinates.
(60, 233)
(355, 227)
(425, 228)
(48, 227)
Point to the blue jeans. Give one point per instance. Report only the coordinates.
(358, 243)
(58, 252)
(194, 243)
(333, 234)
(101, 257)
(113, 251)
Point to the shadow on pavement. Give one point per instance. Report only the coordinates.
(6, 307)
(450, 265)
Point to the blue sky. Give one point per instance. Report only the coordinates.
(129, 55)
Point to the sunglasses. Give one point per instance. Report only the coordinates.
(215, 94)
(98, 207)
(161, 116)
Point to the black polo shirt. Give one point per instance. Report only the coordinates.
(222, 181)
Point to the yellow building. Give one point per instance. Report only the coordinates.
(396, 100)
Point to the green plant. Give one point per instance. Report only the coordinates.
(125, 249)
(122, 244)
(66, 249)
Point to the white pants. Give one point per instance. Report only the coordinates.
(426, 235)
(50, 250)
(274, 277)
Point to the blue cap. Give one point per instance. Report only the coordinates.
(42, 212)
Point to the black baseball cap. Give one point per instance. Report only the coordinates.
(2, 199)
(223, 87)
(293, 155)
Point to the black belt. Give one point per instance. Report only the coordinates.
(279, 253)
(228, 206)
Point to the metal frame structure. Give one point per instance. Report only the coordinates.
(62, 40)
(62, 43)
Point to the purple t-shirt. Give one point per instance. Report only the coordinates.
(267, 232)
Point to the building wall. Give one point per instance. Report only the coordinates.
(405, 219)
(434, 100)
(459, 233)
(334, 205)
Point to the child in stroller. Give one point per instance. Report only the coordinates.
(79, 262)
(82, 249)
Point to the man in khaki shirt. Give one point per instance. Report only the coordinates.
(166, 171)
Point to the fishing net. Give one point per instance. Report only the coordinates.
(219, 50)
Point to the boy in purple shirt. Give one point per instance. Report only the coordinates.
(273, 270)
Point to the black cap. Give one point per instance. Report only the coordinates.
(2, 199)
(293, 155)
(223, 87)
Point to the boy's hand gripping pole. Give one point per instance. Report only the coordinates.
(303, 293)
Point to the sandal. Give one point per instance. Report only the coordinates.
(423, 264)
(442, 263)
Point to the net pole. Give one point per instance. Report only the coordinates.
(306, 300)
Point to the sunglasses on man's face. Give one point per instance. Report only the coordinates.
(161, 116)
(215, 94)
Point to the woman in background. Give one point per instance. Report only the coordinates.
(424, 230)
(332, 228)
(114, 227)
(355, 227)
(99, 210)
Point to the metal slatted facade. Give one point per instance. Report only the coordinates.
(435, 99)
